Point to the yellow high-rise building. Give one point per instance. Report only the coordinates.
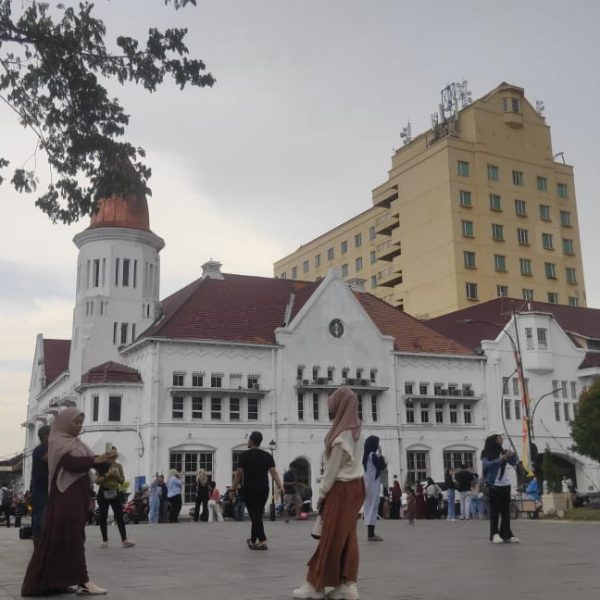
(474, 208)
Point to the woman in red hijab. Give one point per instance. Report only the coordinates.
(58, 560)
(341, 494)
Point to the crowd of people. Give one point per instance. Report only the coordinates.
(62, 499)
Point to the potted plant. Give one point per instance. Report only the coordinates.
(554, 501)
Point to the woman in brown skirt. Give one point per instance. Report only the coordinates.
(341, 494)
(58, 560)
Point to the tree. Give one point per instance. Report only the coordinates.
(52, 61)
(585, 427)
(551, 473)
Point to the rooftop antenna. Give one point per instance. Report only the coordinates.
(464, 94)
(406, 134)
(539, 107)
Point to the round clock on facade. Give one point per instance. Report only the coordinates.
(336, 328)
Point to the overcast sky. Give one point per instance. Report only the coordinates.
(310, 99)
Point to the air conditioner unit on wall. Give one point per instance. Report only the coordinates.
(305, 382)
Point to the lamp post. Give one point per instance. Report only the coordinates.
(272, 448)
(526, 451)
(536, 405)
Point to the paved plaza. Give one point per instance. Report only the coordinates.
(433, 560)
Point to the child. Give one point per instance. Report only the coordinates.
(411, 505)
(214, 504)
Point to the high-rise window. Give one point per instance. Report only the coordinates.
(358, 240)
(523, 237)
(565, 218)
(492, 172)
(501, 290)
(372, 233)
(550, 270)
(305, 266)
(547, 242)
(495, 202)
(545, 212)
(372, 257)
(177, 407)
(373, 281)
(358, 264)
(317, 261)
(521, 208)
(471, 290)
(500, 262)
(344, 247)
(498, 232)
(345, 270)
(571, 274)
(330, 254)
(527, 294)
(465, 199)
(542, 184)
(467, 228)
(462, 168)
(573, 301)
(525, 265)
(552, 298)
(562, 190)
(294, 272)
(469, 259)
(517, 177)
(568, 247)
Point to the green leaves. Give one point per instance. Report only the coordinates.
(585, 427)
(50, 73)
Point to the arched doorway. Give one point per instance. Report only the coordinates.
(302, 467)
(566, 467)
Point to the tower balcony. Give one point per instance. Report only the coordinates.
(389, 277)
(388, 250)
(386, 223)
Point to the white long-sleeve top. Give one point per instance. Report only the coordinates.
(344, 462)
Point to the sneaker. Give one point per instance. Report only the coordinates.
(104, 545)
(345, 592)
(128, 543)
(375, 538)
(90, 589)
(514, 540)
(306, 590)
(497, 539)
(261, 546)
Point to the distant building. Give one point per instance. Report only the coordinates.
(474, 208)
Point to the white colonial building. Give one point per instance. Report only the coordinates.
(181, 383)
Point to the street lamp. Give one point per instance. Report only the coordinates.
(272, 447)
(527, 450)
(536, 405)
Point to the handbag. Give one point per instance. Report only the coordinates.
(109, 494)
(317, 527)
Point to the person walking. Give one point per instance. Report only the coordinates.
(39, 483)
(109, 496)
(214, 504)
(163, 514)
(58, 559)
(254, 467)
(420, 503)
(494, 460)
(202, 493)
(341, 494)
(174, 485)
(432, 498)
(450, 487)
(373, 464)
(154, 495)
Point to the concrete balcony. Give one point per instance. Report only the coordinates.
(389, 277)
(388, 251)
(386, 223)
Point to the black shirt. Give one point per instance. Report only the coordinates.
(39, 473)
(289, 486)
(464, 479)
(256, 464)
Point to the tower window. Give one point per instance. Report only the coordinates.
(117, 263)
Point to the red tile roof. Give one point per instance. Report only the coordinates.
(592, 359)
(573, 319)
(246, 309)
(410, 334)
(56, 358)
(111, 372)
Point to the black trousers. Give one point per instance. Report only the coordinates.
(5, 508)
(175, 502)
(500, 510)
(255, 501)
(201, 499)
(117, 507)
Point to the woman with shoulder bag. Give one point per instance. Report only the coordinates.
(341, 494)
(108, 495)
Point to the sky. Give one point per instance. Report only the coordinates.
(310, 100)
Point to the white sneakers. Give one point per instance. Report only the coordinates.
(341, 592)
(306, 590)
(498, 540)
(344, 592)
(90, 589)
(104, 545)
(128, 543)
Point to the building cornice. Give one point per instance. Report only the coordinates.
(119, 234)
